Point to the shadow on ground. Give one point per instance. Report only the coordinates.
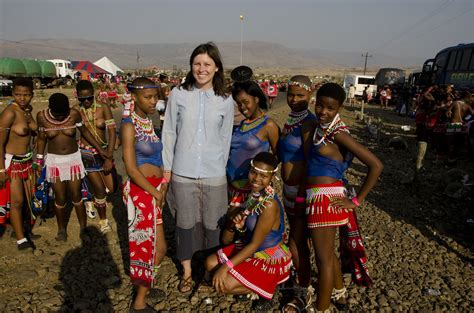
(422, 203)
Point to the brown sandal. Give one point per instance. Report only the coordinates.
(185, 284)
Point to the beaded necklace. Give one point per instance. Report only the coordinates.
(324, 131)
(50, 118)
(257, 201)
(89, 113)
(295, 119)
(144, 130)
(246, 126)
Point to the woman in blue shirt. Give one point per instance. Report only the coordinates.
(196, 141)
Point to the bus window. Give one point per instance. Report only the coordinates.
(458, 59)
(465, 59)
(452, 60)
(441, 59)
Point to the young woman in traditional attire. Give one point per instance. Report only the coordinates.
(144, 192)
(64, 168)
(260, 261)
(329, 154)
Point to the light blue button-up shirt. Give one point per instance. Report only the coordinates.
(197, 132)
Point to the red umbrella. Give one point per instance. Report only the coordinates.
(88, 66)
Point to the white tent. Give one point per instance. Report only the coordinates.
(108, 65)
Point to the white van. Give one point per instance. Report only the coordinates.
(63, 68)
(359, 82)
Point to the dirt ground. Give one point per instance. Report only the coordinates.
(418, 237)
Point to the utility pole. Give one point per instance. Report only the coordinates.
(241, 36)
(138, 62)
(366, 56)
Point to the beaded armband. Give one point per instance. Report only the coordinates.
(110, 123)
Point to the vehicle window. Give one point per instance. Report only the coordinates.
(452, 60)
(458, 59)
(365, 81)
(60, 65)
(442, 59)
(465, 59)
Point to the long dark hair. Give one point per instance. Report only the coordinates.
(251, 88)
(218, 82)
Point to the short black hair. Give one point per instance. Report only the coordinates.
(23, 82)
(84, 85)
(251, 88)
(59, 104)
(332, 90)
(266, 158)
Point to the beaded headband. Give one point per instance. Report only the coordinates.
(131, 87)
(299, 84)
(262, 170)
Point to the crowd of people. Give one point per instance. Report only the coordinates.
(444, 120)
(215, 176)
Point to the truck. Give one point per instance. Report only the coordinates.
(42, 72)
(359, 82)
(64, 70)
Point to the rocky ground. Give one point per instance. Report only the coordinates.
(418, 237)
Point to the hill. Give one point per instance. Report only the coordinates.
(257, 54)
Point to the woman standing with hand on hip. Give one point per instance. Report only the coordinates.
(196, 140)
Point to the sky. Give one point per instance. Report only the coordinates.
(399, 28)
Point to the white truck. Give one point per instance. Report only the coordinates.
(359, 82)
(64, 71)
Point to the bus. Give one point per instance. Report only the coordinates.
(359, 82)
(391, 77)
(451, 66)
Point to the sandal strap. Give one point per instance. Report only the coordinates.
(186, 283)
(338, 293)
(304, 296)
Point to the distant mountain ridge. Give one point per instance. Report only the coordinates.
(257, 54)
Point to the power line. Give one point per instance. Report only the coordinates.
(407, 30)
(463, 12)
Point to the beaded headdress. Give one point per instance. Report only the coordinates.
(299, 84)
(262, 170)
(132, 87)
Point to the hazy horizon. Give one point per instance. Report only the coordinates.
(405, 29)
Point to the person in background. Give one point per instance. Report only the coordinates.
(100, 173)
(197, 133)
(456, 129)
(17, 177)
(351, 95)
(64, 168)
(272, 92)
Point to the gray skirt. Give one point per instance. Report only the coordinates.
(199, 207)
